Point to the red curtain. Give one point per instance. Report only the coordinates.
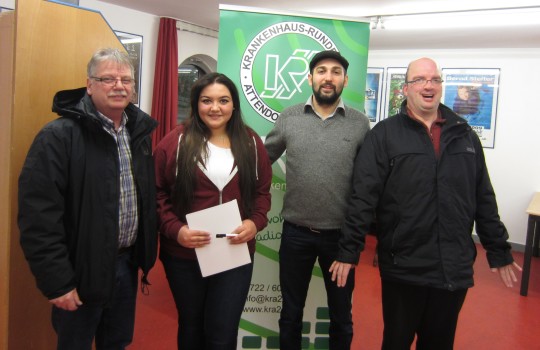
(165, 96)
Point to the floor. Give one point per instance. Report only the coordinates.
(493, 317)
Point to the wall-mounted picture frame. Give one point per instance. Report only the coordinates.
(133, 44)
(395, 78)
(374, 88)
(473, 94)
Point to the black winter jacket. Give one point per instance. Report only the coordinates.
(425, 207)
(69, 200)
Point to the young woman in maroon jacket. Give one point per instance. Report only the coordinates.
(210, 159)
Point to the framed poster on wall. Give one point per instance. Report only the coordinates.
(133, 45)
(473, 93)
(374, 86)
(395, 78)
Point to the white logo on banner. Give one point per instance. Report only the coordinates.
(283, 76)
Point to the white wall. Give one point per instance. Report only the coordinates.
(10, 4)
(190, 44)
(513, 163)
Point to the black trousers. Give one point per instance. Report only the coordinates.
(429, 313)
(112, 325)
(299, 250)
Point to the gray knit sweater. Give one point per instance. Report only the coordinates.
(319, 162)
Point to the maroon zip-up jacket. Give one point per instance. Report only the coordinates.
(206, 193)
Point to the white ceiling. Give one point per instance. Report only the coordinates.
(206, 13)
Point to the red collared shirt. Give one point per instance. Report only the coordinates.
(434, 132)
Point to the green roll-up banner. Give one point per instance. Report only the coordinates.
(267, 55)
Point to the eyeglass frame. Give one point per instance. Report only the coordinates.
(434, 81)
(102, 80)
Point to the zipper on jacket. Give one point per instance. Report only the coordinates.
(394, 259)
(453, 136)
(256, 159)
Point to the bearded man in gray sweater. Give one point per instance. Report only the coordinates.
(322, 138)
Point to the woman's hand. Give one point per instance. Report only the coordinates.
(192, 238)
(245, 232)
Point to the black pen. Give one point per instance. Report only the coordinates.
(223, 235)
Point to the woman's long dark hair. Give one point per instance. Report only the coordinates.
(193, 149)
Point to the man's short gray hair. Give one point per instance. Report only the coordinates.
(108, 54)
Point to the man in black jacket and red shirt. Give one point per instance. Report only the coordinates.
(87, 212)
(423, 173)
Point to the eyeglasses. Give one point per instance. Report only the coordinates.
(110, 81)
(423, 82)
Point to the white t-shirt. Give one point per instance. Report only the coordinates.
(219, 165)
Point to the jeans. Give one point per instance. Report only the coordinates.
(430, 313)
(112, 325)
(209, 308)
(299, 249)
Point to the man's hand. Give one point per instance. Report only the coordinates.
(506, 273)
(340, 271)
(69, 301)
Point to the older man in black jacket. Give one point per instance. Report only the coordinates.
(424, 174)
(87, 212)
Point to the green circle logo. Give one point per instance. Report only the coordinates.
(275, 65)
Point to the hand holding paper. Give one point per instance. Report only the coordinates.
(192, 238)
(221, 254)
(245, 232)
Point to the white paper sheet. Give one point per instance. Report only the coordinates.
(220, 255)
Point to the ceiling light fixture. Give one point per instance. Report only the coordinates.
(377, 22)
(462, 19)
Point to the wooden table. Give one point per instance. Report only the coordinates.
(531, 242)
